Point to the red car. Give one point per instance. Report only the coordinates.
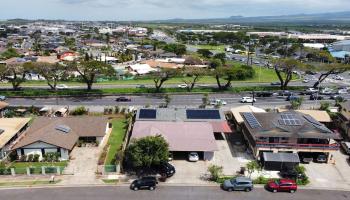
(282, 185)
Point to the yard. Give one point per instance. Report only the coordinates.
(115, 140)
(20, 167)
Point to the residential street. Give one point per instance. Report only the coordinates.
(169, 193)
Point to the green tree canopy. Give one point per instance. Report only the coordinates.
(146, 152)
(13, 73)
(178, 49)
(284, 70)
(161, 76)
(228, 74)
(205, 53)
(329, 69)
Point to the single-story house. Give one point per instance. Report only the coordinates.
(60, 135)
(140, 69)
(181, 136)
(10, 130)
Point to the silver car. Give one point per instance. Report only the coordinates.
(239, 184)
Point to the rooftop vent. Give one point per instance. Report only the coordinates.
(63, 128)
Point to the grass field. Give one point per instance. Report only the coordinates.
(218, 48)
(115, 140)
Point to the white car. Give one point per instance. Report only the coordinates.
(61, 86)
(2, 98)
(312, 90)
(342, 91)
(339, 78)
(193, 157)
(182, 86)
(327, 91)
(247, 100)
(217, 102)
(306, 80)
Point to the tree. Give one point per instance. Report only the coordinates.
(205, 101)
(215, 172)
(215, 63)
(252, 166)
(13, 73)
(37, 42)
(147, 152)
(89, 70)
(161, 76)
(178, 49)
(229, 74)
(51, 72)
(205, 53)
(193, 74)
(9, 53)
(296, 103)
(221, 56)
(284, 70)
(329, 69)
(69, 42)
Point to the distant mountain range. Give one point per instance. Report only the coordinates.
(339, 17)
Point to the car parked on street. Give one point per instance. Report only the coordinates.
(148, 182)
(123, 99)
(193, 157)
(282, 185)
(275, 83)
(62, 87)
(238, 184)
(247, 100)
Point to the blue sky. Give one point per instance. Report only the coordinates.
(161, 9)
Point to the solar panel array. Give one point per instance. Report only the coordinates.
(148, 114)
(289, 120)
(63, 128)
(203, 114)
(317, 124)
(251, 119)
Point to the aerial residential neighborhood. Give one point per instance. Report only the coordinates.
(174, 100)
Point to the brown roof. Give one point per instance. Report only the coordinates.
(270, 125)
(155, 64)
(181, 136)
(44, 129)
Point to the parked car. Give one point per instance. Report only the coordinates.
(141, 86)
(123, 99)
(321, 158)
(275, 83)
(312, 90)
(282, 185)
(218, 102)
(238, 184)
(264, 94)
(247, 100)
(182, 86)
(346, 147)
(165, 168)
(306, 159)
(62, 86)
(193, 157)
(316, 97)
(2, 98)
(148, 182)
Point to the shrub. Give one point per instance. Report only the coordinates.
(23, 158)
(36, 158)
(116, 109)
(262, 180)
(30, 158)
(51, 157)
(79, 111)
(215, 172)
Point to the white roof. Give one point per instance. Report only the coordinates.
(142, 68)
(237, 110)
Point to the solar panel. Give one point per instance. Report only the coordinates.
(63, 128)
(203, 114)
(290, 122)
(251, 119)
(148, 114)
(312, 120)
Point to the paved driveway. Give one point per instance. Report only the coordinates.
(83, 165)
(333, 176)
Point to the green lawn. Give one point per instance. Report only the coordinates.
(115, 140)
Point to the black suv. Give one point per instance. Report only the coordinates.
(165, 169)
(148, 182)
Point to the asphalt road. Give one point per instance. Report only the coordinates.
(168, 193)
(156, 100)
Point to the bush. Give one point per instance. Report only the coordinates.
(79, 111)
(36, 158)
(30, 158)
(116, 109)
(215, 172)
(23, 158)
(262, 180)
(51, 157)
